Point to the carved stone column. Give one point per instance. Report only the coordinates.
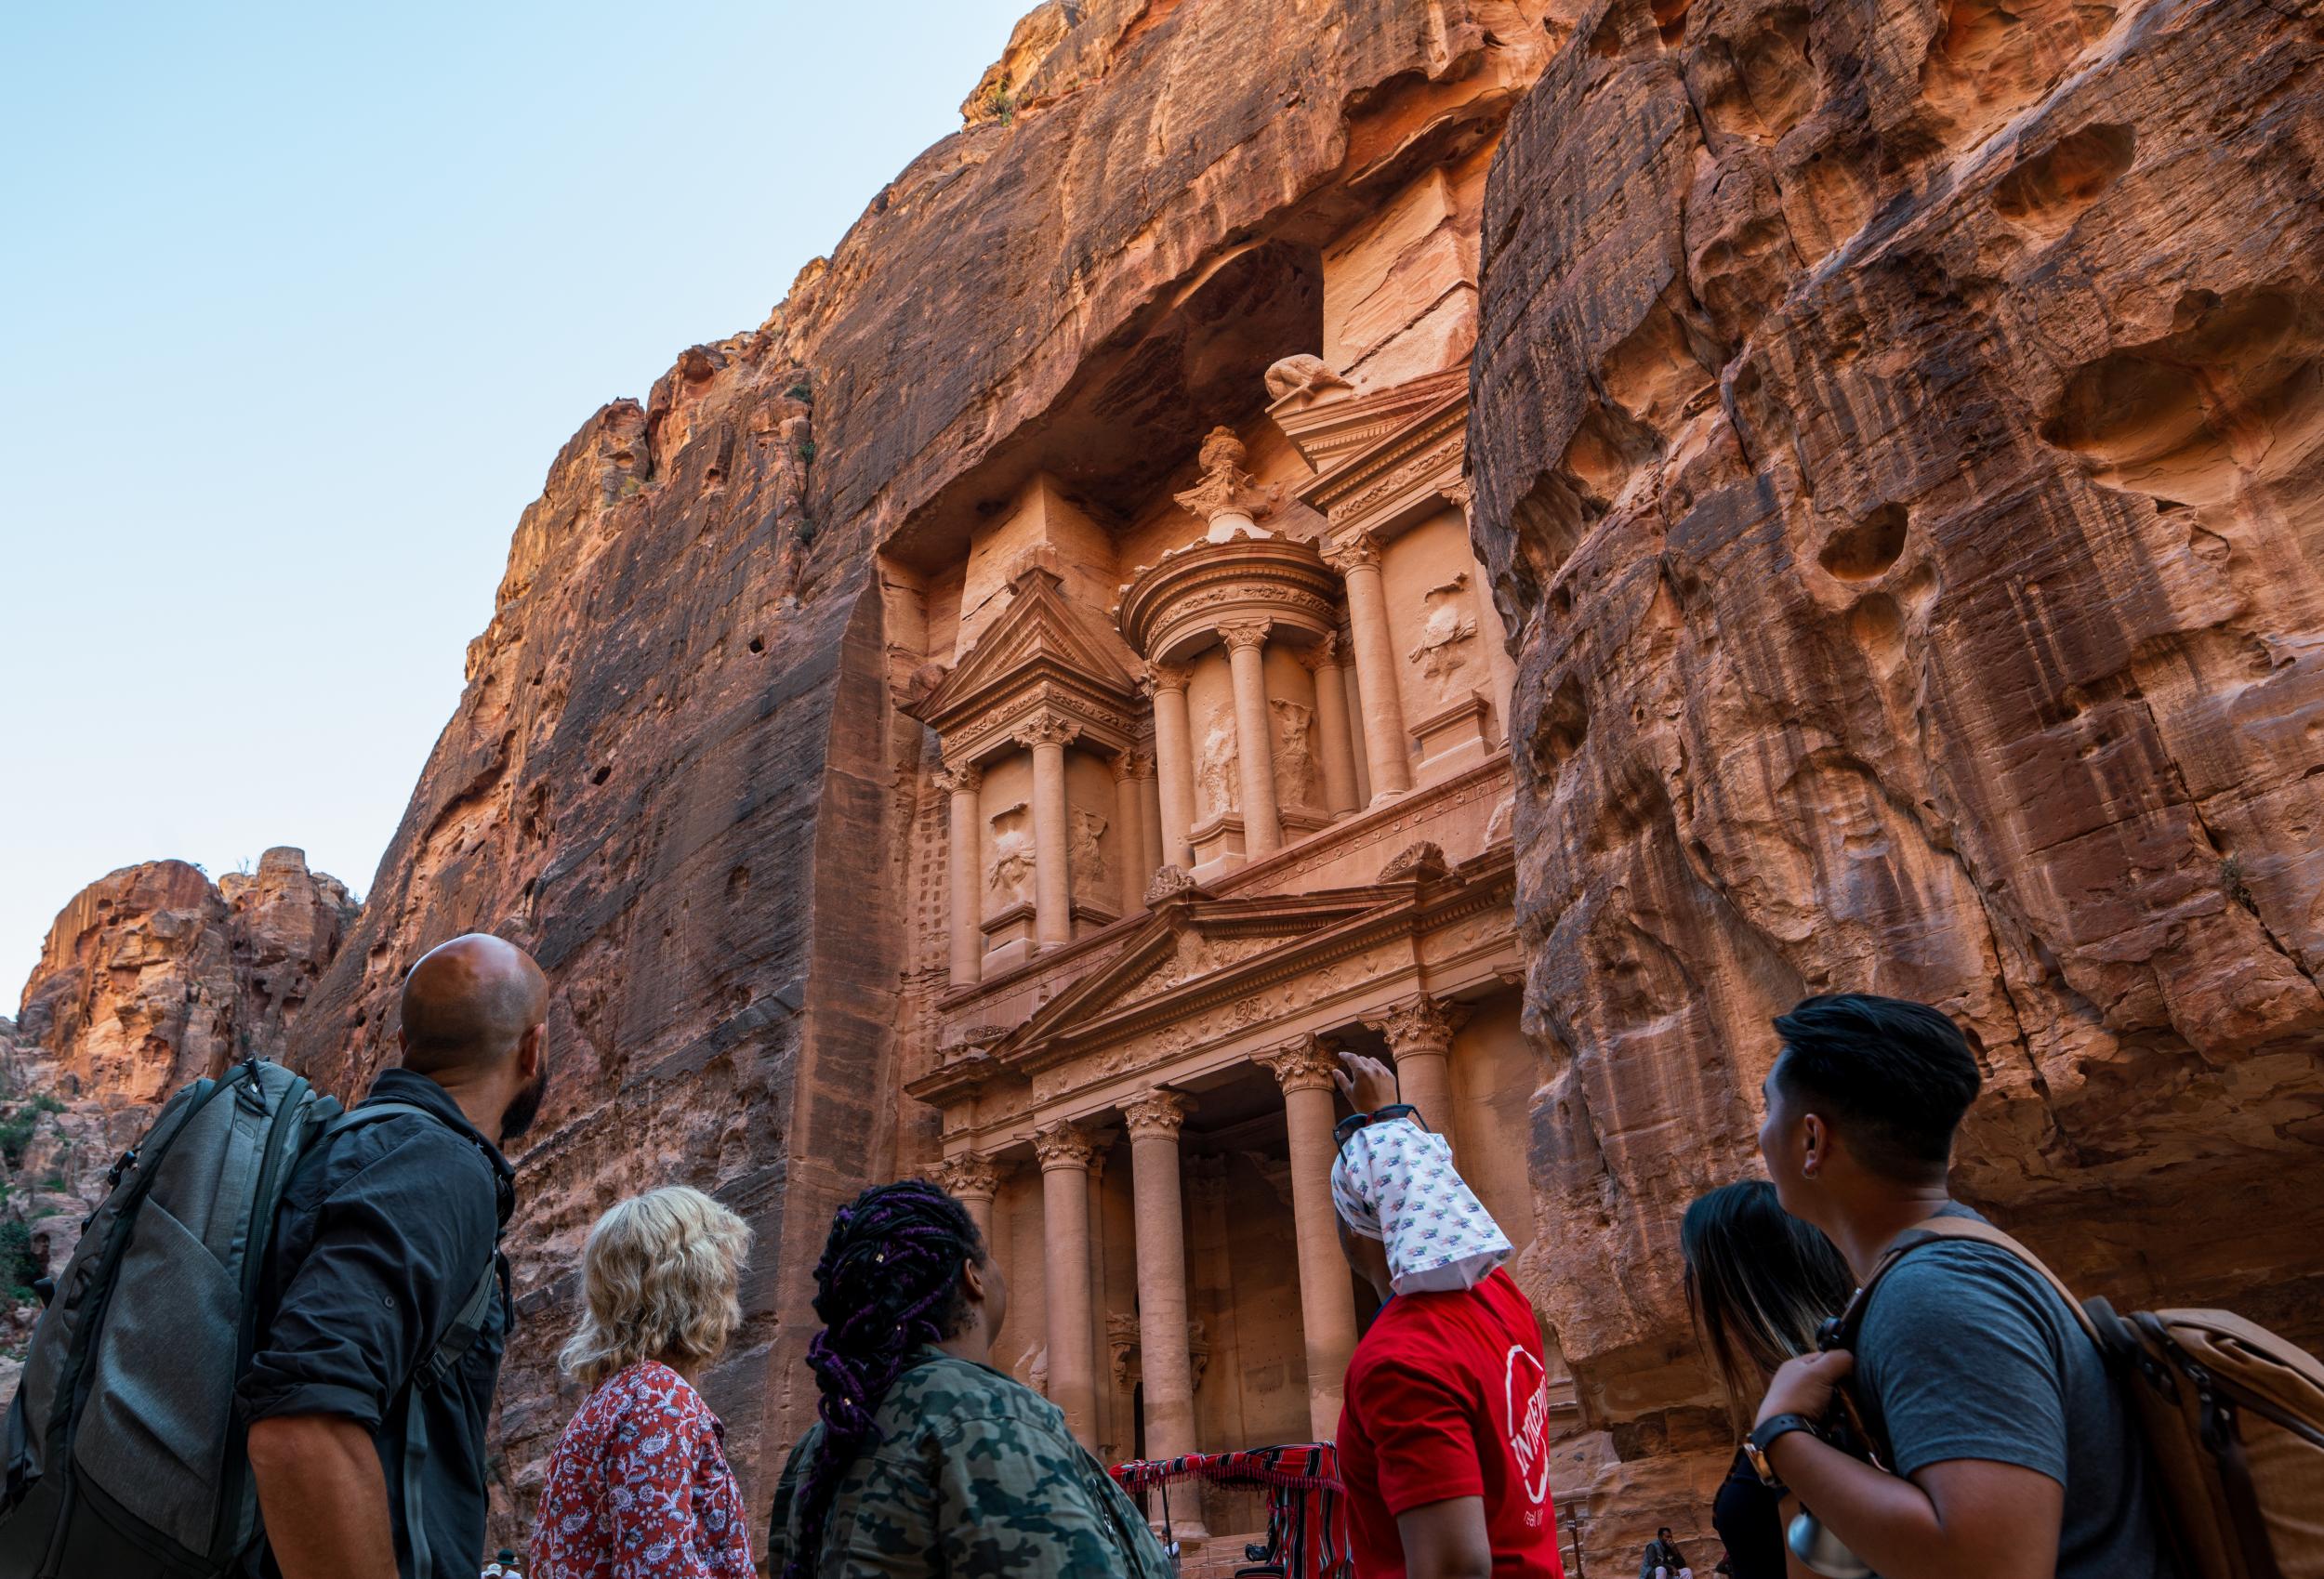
(1064, 1150)
(1131, 770)
(1053, 877)
(974, 1181)
(1154, 1122)
(1419, 1032)
(967, 940)
(1332, 721)
(1304, 1067)
(1356, 710)
(1386, 751)
(1174, 760)
(1254, 736)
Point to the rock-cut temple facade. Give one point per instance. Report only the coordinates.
(1219, 782)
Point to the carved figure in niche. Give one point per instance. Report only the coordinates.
(1303, 374)
(1215, 769)
(1295, 758)
(1088, 855)
(1448, 621)
(1011, 873)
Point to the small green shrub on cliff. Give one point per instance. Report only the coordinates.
(19, 1267)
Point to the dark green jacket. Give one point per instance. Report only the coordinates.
(974, 1474)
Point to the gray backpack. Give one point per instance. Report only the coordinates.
(125, 1454)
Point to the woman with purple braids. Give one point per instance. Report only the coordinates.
(925, 1459)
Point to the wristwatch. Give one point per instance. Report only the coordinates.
(1763, 1436)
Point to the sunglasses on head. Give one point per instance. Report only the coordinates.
(1353, 1121)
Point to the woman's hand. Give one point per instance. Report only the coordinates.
(1368, 1083)
(1804, 1385)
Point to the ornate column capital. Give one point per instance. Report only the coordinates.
(962, 780)
(1240, 633)
(1045, 731)
(1460, 493)
(1359, 552)
(1304, 1063)
(1158, 1115)
(968, 1176)
(1134, 765)
(1063, 1145)
(1419, 1024)
(1324, 654)
(1154, 679)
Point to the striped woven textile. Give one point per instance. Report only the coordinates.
(1307, 1526)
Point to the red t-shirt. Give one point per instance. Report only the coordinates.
(1448, 1396)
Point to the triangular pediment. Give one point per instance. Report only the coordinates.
(1194, 945)
(1040, 630)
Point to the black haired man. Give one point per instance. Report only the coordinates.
(1663, 1560)
(2014, 1458)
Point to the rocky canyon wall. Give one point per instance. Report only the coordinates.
(677, 774)
(1897, 439)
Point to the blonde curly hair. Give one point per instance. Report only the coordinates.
(659, 1275)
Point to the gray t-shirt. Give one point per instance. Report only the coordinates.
(1966, 1352)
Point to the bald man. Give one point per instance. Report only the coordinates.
(385, 1305)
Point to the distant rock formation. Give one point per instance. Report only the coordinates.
(152, 976)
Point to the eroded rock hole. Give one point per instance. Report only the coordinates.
(1864, 551)
(758, 644)
(601, 774)
(2233, 395)
(2045, 193)
(1564, 726)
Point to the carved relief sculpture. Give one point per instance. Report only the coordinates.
(1088, 855)
(1009, 874)
(1295, 755)
(1303, 374)
(1215, 771)
(1448, 621)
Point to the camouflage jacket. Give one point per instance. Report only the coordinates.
(973, 1474)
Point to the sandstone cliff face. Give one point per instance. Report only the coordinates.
(677, 774)
(1897, 439)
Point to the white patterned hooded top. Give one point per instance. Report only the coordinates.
(1395, 1182)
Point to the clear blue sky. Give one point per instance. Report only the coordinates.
(297, 305)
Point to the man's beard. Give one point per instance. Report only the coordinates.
(525, 1108)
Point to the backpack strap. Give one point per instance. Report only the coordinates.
(457, 1339)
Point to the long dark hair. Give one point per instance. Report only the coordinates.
(1758, 1281)
(889, 1281)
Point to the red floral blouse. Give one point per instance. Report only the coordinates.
(638, 1488)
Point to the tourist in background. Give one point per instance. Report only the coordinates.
(639, 1486)
(1444, 1437)
(2015, 1457)
(1663, 1560)
(1759, 1283)
(926, 1460)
